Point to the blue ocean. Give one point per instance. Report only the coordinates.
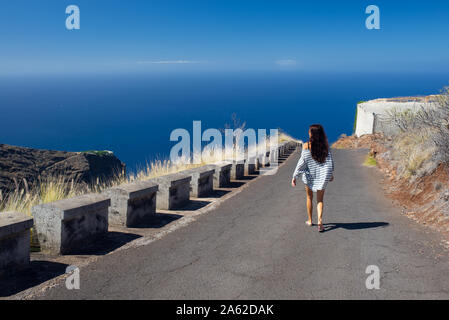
(133, 115)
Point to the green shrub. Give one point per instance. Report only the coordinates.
(355, 121)
(370, 161)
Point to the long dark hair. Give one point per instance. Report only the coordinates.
(319, 147)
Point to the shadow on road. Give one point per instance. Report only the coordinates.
(249, 177)
(235, 184)
(36, 273)
(159, 220)
(104, 245)
(220, 193)
(194, 205)
(354, 225)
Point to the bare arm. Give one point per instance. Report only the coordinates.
(300, 167)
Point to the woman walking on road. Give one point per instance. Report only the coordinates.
(316, 167)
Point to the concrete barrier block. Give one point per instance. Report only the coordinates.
(250, 166)
(14, 240)
(202, 182)
(291, 146)
(258, 163)
(222, 175)
(263, 160)
(66, 225)
(173, 192)
(267, 159)
(274, 156)
(284, 149)
(238, 170)
(132, 203)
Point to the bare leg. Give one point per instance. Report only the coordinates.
(309, 204)
(319, 207)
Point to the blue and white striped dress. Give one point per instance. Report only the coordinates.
(314, 174)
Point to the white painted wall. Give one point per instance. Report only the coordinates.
(368, 111)
(365, 122)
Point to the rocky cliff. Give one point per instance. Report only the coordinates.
(18, 164)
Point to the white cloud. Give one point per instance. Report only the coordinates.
(170, 62)
(286, 62)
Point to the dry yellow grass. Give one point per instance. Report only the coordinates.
(414, 150)
(286, 137)
(421, 144)
(49, 190)
(57, 188)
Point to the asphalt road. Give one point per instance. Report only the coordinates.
(256, 246)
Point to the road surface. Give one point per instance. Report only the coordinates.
(256, 246)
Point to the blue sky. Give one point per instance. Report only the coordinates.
(144, 36)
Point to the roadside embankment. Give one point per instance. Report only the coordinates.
(419, 185)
